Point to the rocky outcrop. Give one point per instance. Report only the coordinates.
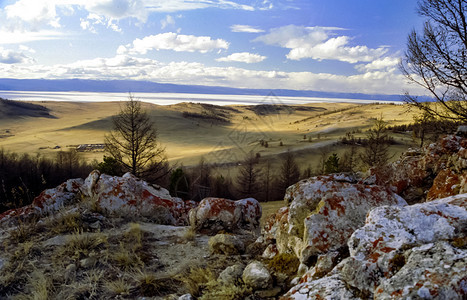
(128, 196)
(436, 171)
(49, 201)
(402, 252)
(213, 215)
(125, 196)
(323, 213)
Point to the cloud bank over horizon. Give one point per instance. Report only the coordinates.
(245, 44)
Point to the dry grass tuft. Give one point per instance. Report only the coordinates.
(126, 258)
(64, 222)
(39, 287)
(150, 285)
(23, 232)
(119, 287)
(190, 234)
(216, 290)
(79, 245)
(196, 279)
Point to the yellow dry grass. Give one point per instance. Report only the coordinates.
(188, 139)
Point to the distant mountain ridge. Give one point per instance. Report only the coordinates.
(125, 86)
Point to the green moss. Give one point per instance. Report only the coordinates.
(284, 263)
(396, 263)
(460, 243)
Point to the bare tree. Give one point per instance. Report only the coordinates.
(290, 173)
(248, 177)
(376, 150)
(133, 142)
(349, 159)
(267, 180)
(436, 59)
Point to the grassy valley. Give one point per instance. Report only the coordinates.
(189, 131)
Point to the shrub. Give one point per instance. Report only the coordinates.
(284, 263)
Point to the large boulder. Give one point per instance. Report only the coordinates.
(218, 214)
(48, 202)
(404, 252)
(128, 196)
(323, 213)
(438, 170)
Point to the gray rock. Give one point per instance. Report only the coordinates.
(58, 240)
(332, 287)
(406, 252)
(231, 274)
(88, 262)
(186, 297)
(324, 211)
(269, 293)
(462, 131)
(432, 269)
(218, 214)
(226, 244)
(257, 276)
(70, 273)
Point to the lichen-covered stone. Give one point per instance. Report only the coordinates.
(128, 196)
(323, 213)
(324, 264)
(332, 287)
(442, 165)
(405, 252)
(431, 271)
(219, 214)
(49, 201)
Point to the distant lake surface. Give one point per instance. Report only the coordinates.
(172, 98)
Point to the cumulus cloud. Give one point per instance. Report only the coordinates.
(386, 63)
(35, 15)
(245, 28)
(175, 42)
(319, 43)
(93, 21)
(243, 57)
(136, 68)
(8, 56)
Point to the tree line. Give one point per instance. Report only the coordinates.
(23, 177)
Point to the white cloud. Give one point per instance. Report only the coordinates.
(8, 56)
(176, 42)
(386, 63)
(117, 9)
(319, 43)
(26, 49)
(135, 68)
(18, 37)
(169, 20)
(245, 28)
(34, 15)
(243, 57)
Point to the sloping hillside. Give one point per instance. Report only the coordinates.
(14, 109)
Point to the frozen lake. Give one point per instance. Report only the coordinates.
(171, 98)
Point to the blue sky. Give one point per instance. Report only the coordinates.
(332, 45)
